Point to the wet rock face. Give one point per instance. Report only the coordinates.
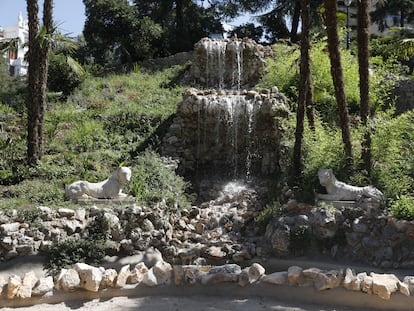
(227, 134)
(228, 63)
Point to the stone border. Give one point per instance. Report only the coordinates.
(85, 282)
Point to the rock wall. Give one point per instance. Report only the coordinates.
(345, 233)
(228, 63)
(227, 134)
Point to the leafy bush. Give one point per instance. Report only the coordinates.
(403, 208)
(393, 154)
(266, 215)
(152, 182)
(64, 254)
(62, 77)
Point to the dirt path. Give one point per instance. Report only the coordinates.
(193, 303)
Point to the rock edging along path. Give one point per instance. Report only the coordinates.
(82, 281)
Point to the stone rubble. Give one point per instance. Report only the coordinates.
(93, 279)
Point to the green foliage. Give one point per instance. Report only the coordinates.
(64, 254)
(321, 149)
(403, 208)
(61, 75)
(35, 191)
(266, 215)
(393, 154)
(152, 182)
(86, 136)
(115, 35)
(284, 73)
(12, 90)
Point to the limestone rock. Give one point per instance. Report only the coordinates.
(409, 280)
(108, 278)
(68, 280)
(13, 286)
(90, 276)
(189, 275)
(66, 212)
(328, 280)
(383, 285)
(137, 274)
(163, 272)
(122, 277)
(244, 277)
(3, 283)
(150, 279)
(294, 275)
(43, 286)
(351, 281)
(256, 271)
(7, 229)
(366, 282)
(404, 289)
(277, 278)
(28, 282)
(220, 274)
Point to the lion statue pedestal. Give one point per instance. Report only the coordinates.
(109, 190)
(340, 194)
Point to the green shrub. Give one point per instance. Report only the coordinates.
(267, 214)
(66, 253)
(393, 154)
(86, 136)
(152, 182)
(403, 208)
(61, 76)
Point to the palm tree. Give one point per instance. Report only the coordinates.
(38, 68)
(363, 27)
(337, 76)
(305, 90)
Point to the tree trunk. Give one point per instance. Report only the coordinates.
(295, 21)
(33, 151)
(38, 68)
(304, 93)
(363, 60)
(44, 67)
(337, 77)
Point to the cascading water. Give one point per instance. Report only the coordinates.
(223, 131)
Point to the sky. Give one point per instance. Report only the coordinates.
(68, 14)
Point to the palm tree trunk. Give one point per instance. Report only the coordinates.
(33, 84)
(295, 21)
(337, 77)
(304, 86)
(44, 67)
(363, 59)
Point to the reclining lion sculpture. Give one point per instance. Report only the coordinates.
(340, 191)
(107, 189)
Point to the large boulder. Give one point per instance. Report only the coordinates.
(90, 276)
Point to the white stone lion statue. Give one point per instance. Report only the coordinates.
(107, 189)
(340, 191)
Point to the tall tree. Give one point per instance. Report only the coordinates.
(183, 22)
(38, 68)
(363, 26)
(305, 89)
(337, 76)
(116, 34)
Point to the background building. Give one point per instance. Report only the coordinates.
(18, 35)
